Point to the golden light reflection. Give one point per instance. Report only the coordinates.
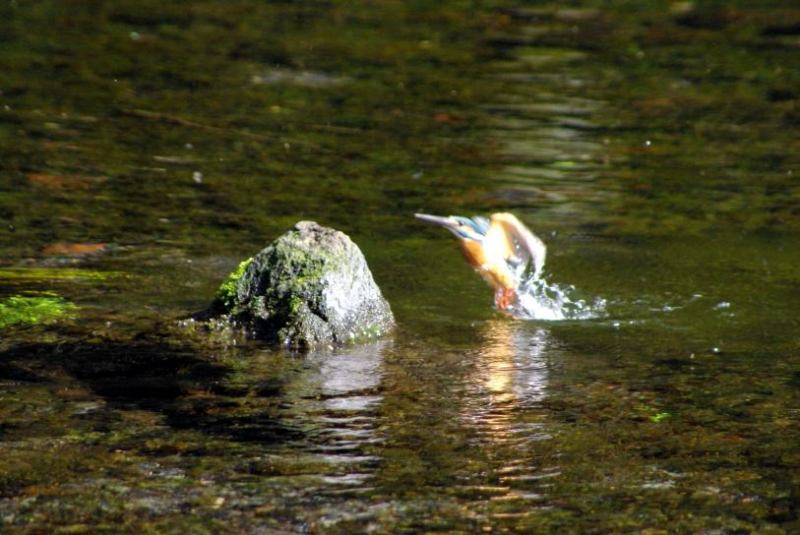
(511, 371)
(498, 360)
(512, 361)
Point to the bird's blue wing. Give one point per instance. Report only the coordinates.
(480, 224)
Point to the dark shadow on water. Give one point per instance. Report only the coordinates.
(188, 390)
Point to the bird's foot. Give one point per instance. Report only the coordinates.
(504, 298)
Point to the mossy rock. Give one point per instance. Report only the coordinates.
(310, 288)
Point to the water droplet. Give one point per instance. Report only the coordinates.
(197, 176)
(541, 300)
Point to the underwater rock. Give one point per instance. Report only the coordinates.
(299, 78)
(310, 288)
(704, 17)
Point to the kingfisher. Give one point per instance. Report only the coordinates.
(500, 248)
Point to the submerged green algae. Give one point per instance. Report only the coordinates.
(32, 310)
(30, 274)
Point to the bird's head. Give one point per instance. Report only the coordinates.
(464, 228)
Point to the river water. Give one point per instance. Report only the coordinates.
(146, 148)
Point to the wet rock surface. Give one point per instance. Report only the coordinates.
(310, 288)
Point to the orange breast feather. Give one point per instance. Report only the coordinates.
(494, 270)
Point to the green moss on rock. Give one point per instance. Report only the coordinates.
(226, 294)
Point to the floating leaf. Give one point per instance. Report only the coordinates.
(59, 182)
(74, 249)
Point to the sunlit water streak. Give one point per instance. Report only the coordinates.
(504, 414)
(551, 162)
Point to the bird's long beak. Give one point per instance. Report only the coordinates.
(448, 222)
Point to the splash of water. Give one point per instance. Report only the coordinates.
(540, 300)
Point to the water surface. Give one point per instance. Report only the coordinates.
(146, 149)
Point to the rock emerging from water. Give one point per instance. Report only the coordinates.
(310, 288)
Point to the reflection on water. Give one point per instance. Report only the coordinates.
(346, 377)
(510, 381)
(550, 153)
(512, 363)
(335, 399)
(508, 385)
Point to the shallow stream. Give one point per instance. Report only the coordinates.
(146, 148)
